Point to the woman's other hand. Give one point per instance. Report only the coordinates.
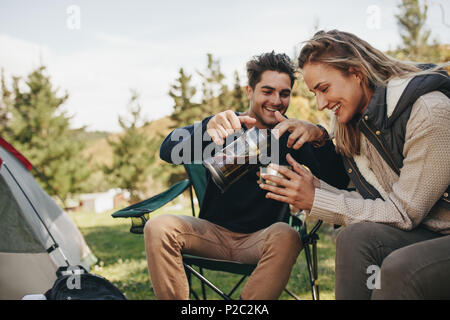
(297, 189)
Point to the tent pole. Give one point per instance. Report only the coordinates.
(55, 246)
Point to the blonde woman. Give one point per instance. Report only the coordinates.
(392, 127)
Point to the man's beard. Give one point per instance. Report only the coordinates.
(260, 118)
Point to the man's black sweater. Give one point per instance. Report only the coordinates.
(243, 207)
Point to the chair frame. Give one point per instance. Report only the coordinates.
(309, 241)
(140, 214)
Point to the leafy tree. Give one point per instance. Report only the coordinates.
(35, 123)
(132, 153)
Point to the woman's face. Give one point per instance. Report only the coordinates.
(342, 94)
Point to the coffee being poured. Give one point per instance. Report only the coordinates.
(249, 151)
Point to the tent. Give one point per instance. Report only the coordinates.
(36, 235)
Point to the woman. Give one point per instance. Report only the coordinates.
(392, 126)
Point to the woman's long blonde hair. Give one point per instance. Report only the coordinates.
(343, 50)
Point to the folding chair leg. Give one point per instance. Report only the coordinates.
(203, 285)
(207, 282)
(314, 260)
(236, 286)
(291, 294)
(194, 294)
(312, 277)
(189, 278)
(315, 269)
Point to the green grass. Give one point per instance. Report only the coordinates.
(121, 259)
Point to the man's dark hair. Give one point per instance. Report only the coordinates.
(269, 61)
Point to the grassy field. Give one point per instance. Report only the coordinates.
(121, 259)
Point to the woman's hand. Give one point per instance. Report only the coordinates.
(301, 131)
(297, 189)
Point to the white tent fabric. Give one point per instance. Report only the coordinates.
(25, 265)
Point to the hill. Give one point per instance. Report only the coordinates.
(100, 152)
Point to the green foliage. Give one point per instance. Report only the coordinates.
(33, 121)
(215, 95)
(90, 136)
(132, 154)
(411, 21)
(5, 103)
(239, 95)
(185, 111)
(416, 44)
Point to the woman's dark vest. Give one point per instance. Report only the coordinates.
(388, 134)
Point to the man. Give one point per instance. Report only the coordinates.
(241, 224)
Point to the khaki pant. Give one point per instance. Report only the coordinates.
(274, 250)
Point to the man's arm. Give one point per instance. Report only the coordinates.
(186, 144)
(331, 165)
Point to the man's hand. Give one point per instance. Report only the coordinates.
(301, 131)
(225, 123)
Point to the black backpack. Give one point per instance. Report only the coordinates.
(75, 283)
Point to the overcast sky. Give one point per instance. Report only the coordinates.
(99, 50)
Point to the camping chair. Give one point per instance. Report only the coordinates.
(140, 214)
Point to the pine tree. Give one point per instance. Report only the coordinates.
(5, 103)
(215, 94)
(185, 111)
(240, 99)
(132, 153)
(415, 37)
(37, 126)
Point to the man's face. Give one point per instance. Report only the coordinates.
(272, 93)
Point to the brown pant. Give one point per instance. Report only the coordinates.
(412, 264)
(274, 250)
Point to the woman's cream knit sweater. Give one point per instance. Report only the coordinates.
(408, 199)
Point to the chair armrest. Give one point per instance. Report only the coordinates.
(153, 203)
(297, 223)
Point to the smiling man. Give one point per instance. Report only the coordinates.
(268, 91)
(241, 224)
(270, 81)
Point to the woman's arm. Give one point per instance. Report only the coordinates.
(424, 176)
